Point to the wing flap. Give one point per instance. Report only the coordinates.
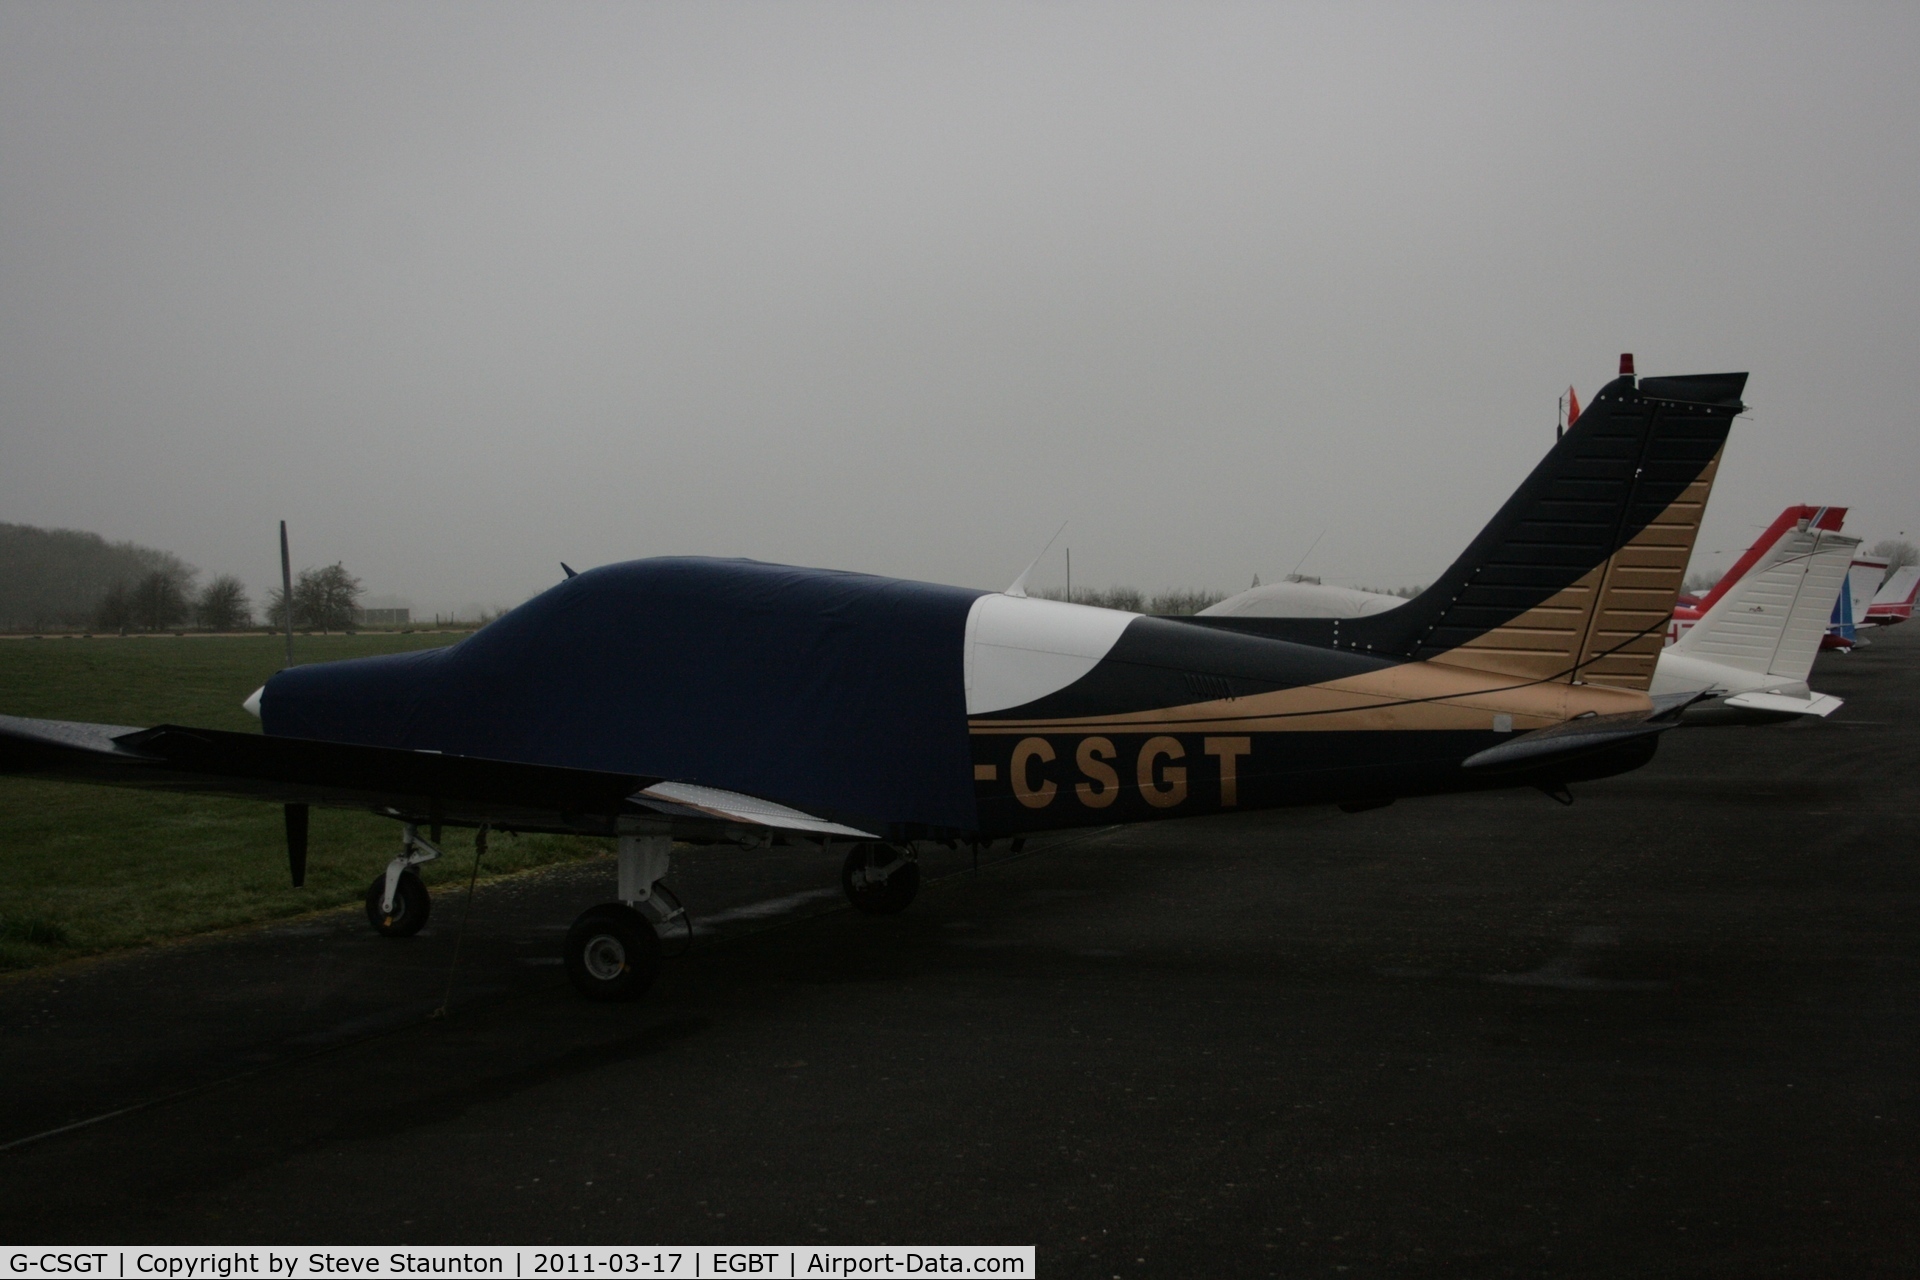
(690, 799)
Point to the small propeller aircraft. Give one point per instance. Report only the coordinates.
(728, 700)
(1749, 644)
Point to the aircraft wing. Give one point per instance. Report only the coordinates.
(415, 786)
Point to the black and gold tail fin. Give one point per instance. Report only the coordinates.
(1575, 578)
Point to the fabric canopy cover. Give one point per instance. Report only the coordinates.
(837, 693)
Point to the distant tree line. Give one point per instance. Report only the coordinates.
(165, 599)
(65, 578)
(1177, 603)
(1135, 601)
(60, 577)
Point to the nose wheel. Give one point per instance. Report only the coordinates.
(397, 900)
(408, 913)
(880, 879)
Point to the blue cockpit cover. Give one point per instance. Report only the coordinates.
(837, 693)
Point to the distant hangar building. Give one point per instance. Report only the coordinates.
(384, 611)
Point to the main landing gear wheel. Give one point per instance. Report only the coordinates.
(612, 953)
(880, 879)
(411, 903)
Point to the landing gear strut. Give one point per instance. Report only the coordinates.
(397, 900)
(613, 950)
(880, 879)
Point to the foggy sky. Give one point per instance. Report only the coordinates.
(462, 291)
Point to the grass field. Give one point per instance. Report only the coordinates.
(86, 869)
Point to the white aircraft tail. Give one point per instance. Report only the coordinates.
(1863, 579)
(1770, 619)
(1895, 599)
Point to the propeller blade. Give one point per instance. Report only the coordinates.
(286, 591)
(297, 843)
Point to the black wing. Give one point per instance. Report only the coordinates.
(413, 786)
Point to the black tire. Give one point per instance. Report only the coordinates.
(875, 896)
(411, 905)
(612, 953)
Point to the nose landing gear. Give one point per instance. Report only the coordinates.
(397, 900)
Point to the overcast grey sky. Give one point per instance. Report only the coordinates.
(464, 290)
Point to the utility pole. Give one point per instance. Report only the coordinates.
(1069, 575)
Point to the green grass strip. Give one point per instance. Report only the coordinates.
(87, 869)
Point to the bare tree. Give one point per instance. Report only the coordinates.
(224, 606)
(1898, 552)
(323, 599)
(161, 600)
(115, 610)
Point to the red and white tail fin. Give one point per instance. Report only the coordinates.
(1895, 599)
(1802, 516)
(1768, 614)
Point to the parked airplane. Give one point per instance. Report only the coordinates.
(1850, 609)
(721, 700)
(1893, 603)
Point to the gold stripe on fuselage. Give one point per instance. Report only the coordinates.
(1409, 696)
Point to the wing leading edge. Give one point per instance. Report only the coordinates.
(415, 786)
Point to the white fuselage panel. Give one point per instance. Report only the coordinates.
(1019, 648)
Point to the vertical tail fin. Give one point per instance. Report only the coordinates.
(1575, 578)
(1769, 618)
(1894, 601)
(1807, 517)
(1856, 598)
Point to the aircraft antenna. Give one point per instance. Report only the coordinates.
(1303, 559)
(1019, 587)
